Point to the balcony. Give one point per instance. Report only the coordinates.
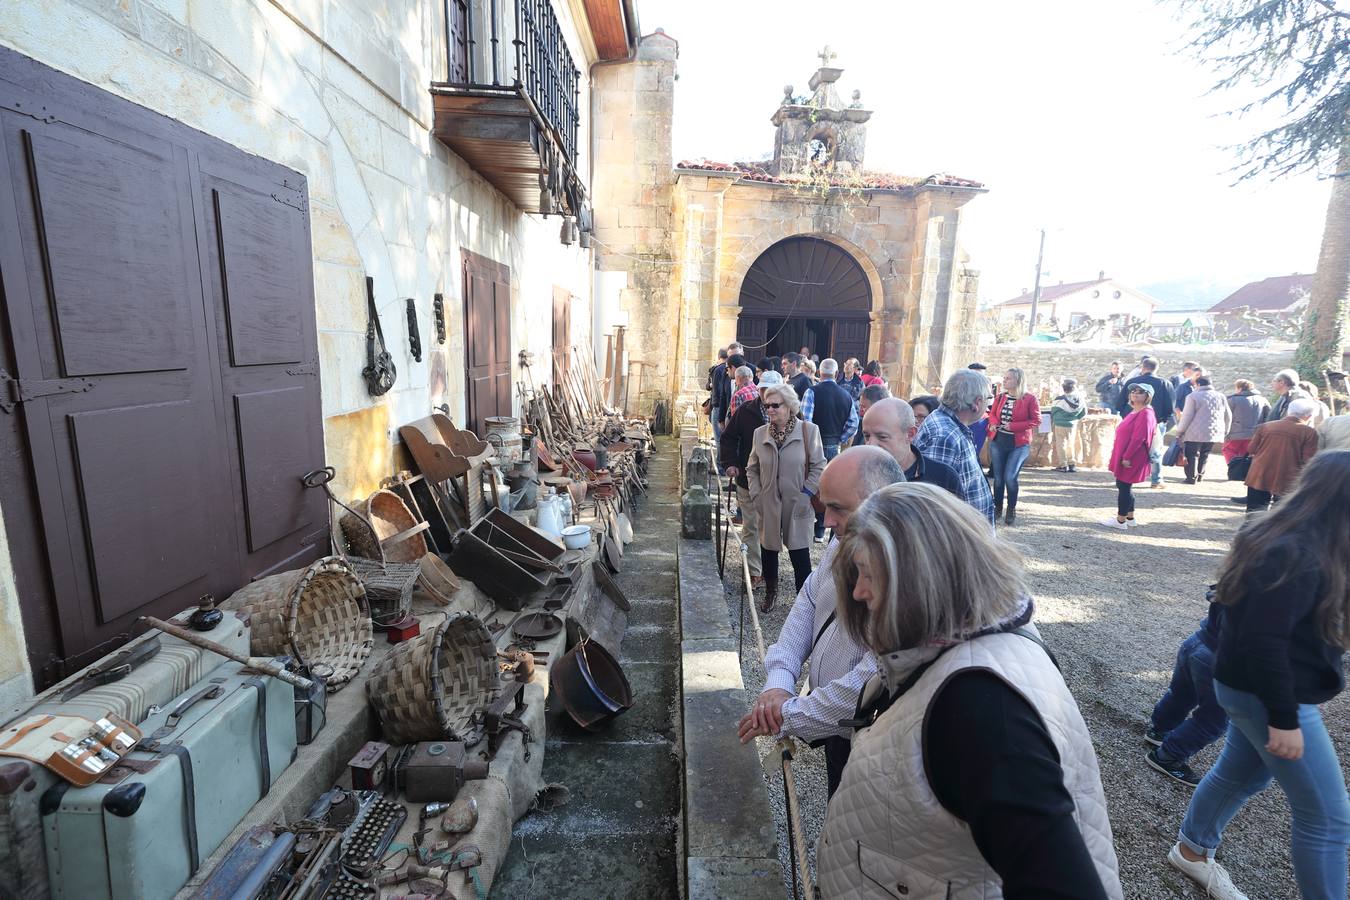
(510, 102)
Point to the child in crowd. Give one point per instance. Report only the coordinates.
(1065, 412)
(1188, 718)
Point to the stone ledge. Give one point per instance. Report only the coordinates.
(730, 838)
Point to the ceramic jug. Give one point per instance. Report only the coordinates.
(548, 511)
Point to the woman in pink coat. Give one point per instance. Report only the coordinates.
(1129, 456)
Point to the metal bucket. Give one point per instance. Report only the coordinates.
(593, 688)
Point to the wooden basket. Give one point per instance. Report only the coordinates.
(397, 534)
(318, 615)
(436, 686)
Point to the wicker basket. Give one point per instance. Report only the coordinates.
(389, 587)
(392, 521)
(435, 686)
(318, 615)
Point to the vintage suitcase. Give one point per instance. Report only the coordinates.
(144, 829)
(175, 668)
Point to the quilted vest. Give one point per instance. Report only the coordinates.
(886, 834)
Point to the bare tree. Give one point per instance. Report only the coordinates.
(1297, 54)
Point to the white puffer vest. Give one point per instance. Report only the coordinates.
(886, 834)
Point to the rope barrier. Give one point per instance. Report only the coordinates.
(786, 747)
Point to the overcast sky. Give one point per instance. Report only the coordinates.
(1089, 119)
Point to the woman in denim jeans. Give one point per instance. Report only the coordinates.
(1014, 415)
(1286, 590)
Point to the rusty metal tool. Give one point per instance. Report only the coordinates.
(260, 663)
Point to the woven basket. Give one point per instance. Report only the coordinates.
(389, 587)
(435, 686)
(318, 615)
(389, 516)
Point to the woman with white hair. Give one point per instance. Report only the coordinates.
(783, 474)
(972, 773)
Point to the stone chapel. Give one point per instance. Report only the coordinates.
(806, 248)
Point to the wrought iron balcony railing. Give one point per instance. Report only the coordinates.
(517, 50)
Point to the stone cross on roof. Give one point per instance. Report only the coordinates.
(826, 55)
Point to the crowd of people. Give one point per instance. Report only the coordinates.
(957, 761)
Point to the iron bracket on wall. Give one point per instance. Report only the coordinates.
(14, 391)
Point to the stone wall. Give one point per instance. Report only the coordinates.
(906, 241)
(338, 90)
(633, 201)
(1050, 363)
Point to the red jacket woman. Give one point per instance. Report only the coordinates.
(1026, 416)
(1012, 417)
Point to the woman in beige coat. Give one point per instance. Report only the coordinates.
(783, 473)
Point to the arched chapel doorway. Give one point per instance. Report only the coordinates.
(805, 292)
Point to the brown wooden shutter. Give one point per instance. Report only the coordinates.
(157, 297)
(258, 274)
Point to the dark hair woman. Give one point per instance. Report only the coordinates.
(871, 374)
(922, 406)
(1287, 588)
(975, 774)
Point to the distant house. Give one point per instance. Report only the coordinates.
(1070, 304)
(1275, 299)
(1181, 325)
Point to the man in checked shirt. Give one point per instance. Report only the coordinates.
(839, 667)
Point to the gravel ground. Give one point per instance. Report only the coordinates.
(1114, 606)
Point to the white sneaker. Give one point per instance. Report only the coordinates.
(1113, 522)
(1131, 523)
(1208, 874)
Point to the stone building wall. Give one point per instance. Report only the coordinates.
(1050, 363)
(633, 200)
(338, 90)
(906, 242)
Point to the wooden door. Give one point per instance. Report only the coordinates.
(752, 333)
(257, 271)
(146, 457)
(487, 339)
(105, 288)
(850, 339)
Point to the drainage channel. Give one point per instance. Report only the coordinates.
(617, 834)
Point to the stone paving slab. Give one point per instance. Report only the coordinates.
(717, 878)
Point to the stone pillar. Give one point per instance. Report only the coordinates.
(633, 190)
(937, 329)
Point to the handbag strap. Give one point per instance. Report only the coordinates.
(829, 620)
(374, 333)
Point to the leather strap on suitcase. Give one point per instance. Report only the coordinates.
(185, 767)
(264, 760)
